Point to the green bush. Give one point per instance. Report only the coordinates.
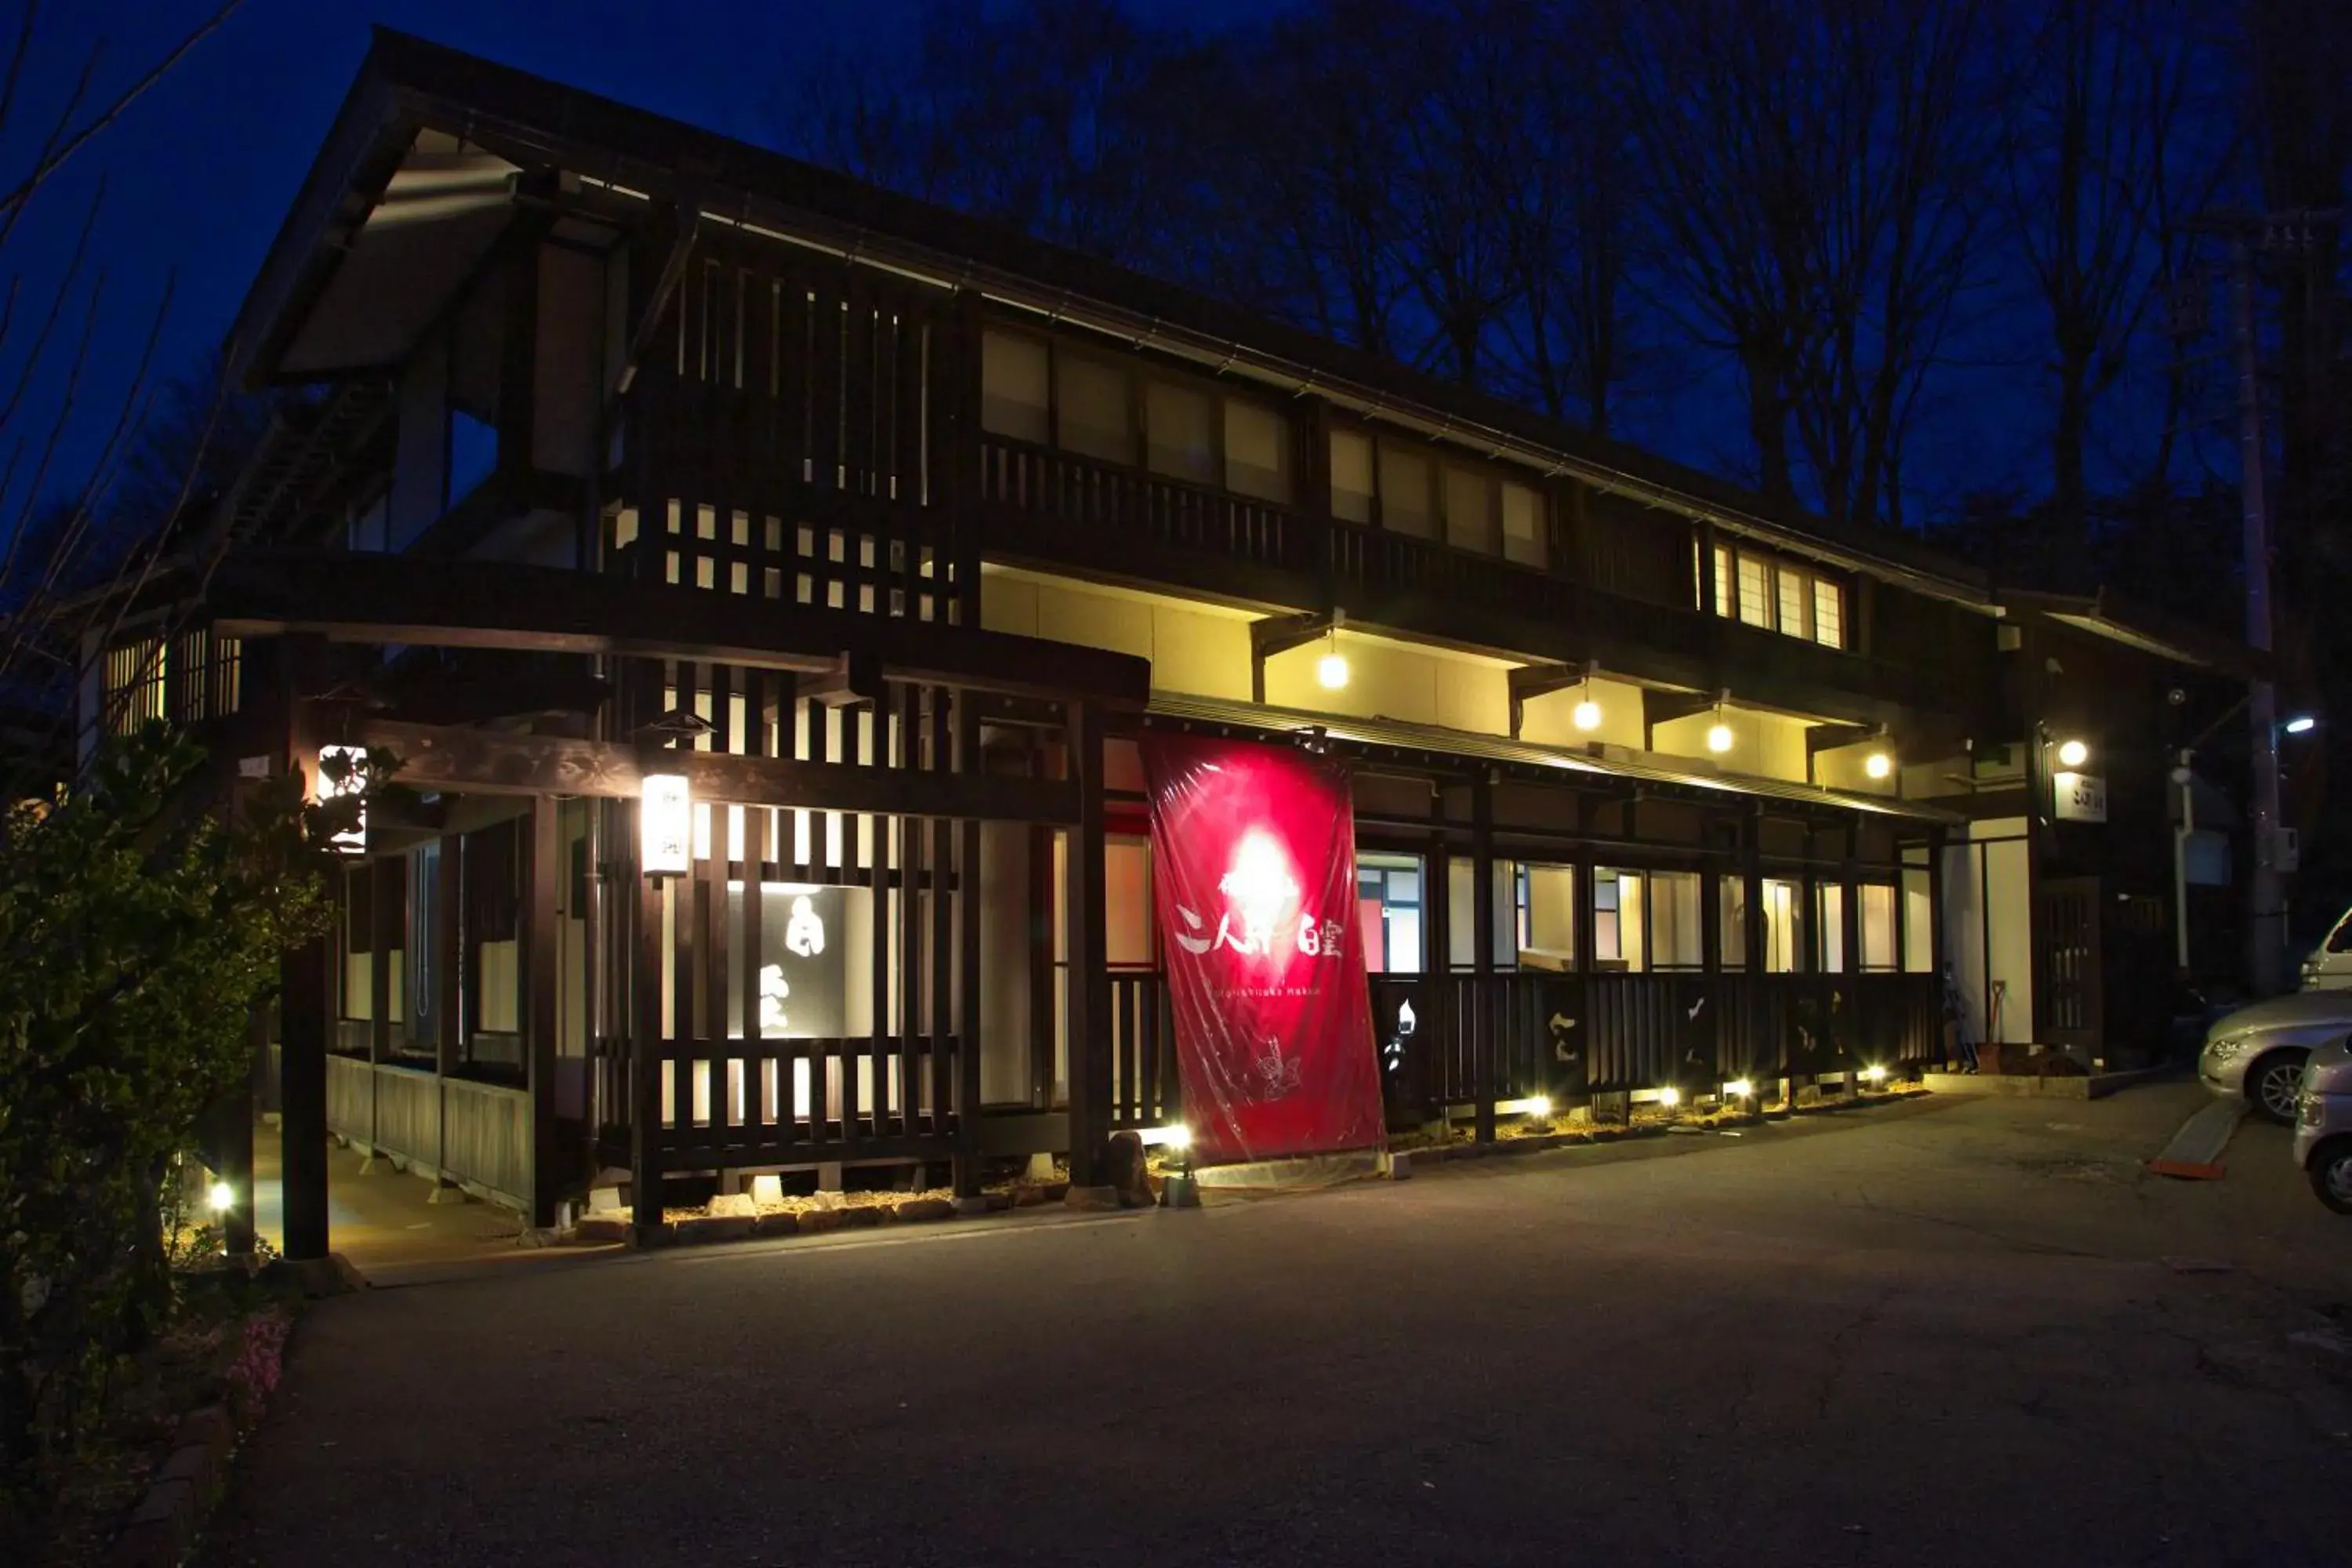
(142, 922)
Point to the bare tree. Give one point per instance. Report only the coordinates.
(57, 525)
(2099, 173)
(1812, 175)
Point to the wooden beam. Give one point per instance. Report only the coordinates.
(490, 762)
(1529, 681)
(368, 598)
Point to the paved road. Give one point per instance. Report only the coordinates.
(1962, 1332)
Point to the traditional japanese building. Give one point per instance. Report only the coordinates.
(775, 590)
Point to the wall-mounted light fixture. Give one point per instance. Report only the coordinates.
(665, 825)
(2072, 754)
(1331, 670)
(1280, 634)
(1878, 765)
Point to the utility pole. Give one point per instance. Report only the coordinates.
(2267, 905)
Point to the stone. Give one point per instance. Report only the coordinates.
(979, 1203)
(817, 1222)
(1180, 1193)
(783, 1223)
(828, 1198)
(733, 1205)
(1091, 1199)
(860, 1216)
(599, 1230)
(1025, 1196)
(925, 1208)
(721, 1227)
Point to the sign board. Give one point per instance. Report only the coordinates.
(805, 961)
(2081, 797)
(1254, 872)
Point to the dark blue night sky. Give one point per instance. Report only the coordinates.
(201, 172)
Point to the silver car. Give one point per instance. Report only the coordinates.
(2323, 1129)
(2258, 1051)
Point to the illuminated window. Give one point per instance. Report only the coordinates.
(1091, 408)
(1676, 940)
(1829, 612)
(1405, 505)
(1523, 529)
(1829, 902)
(1470, 511)
(1012, 387)
(1734, 933)
(1877, 923)
(1387, 908)
(1257, 451)
(1784, 935)
(1779, 594)
(1351, 476)
(1548, 916)
(1176, 433)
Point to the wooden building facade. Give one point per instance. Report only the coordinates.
(633, 451)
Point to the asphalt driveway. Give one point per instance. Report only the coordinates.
(1948, 1332)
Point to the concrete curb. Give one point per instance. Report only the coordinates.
(2032, 1086)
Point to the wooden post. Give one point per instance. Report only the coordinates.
(378, 878)
(968, 977)
(1482, 927)
(303, 998)
(646, 1066)
(1440, 1029)
(540, 1021)
(446, 936)
(1760, 986)
(1085, 870)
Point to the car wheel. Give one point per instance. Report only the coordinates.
(2331, 1174)
(2273, 1085)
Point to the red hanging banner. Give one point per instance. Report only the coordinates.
(1253, 863)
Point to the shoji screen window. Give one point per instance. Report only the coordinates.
(1779, 594)
(1676, 940)
(1091, 408)
(1258, 452)
(1014, 374)
(1352, 476)
(1176, 435)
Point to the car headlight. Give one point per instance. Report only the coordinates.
(2222, 1049)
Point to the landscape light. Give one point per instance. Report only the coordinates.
(1670, 1096)
(2072, 754)
(2302, 725)
(1875, 1073)
(1878, 765)
(1587, 714)
(222, 1198)
(666, 825)
(1719, 738)
(1539, 1106)
(1175, 1135)
(1739, 1088)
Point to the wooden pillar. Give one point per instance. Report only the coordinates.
(645, 1065)
(304, 995)
(1482, 927)
(446, 936)
(1760, 987)
(967, 959)
(378, 881)
(540, 1016)
(1443, 1020)
(1085, 870)
(1946, 1049)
